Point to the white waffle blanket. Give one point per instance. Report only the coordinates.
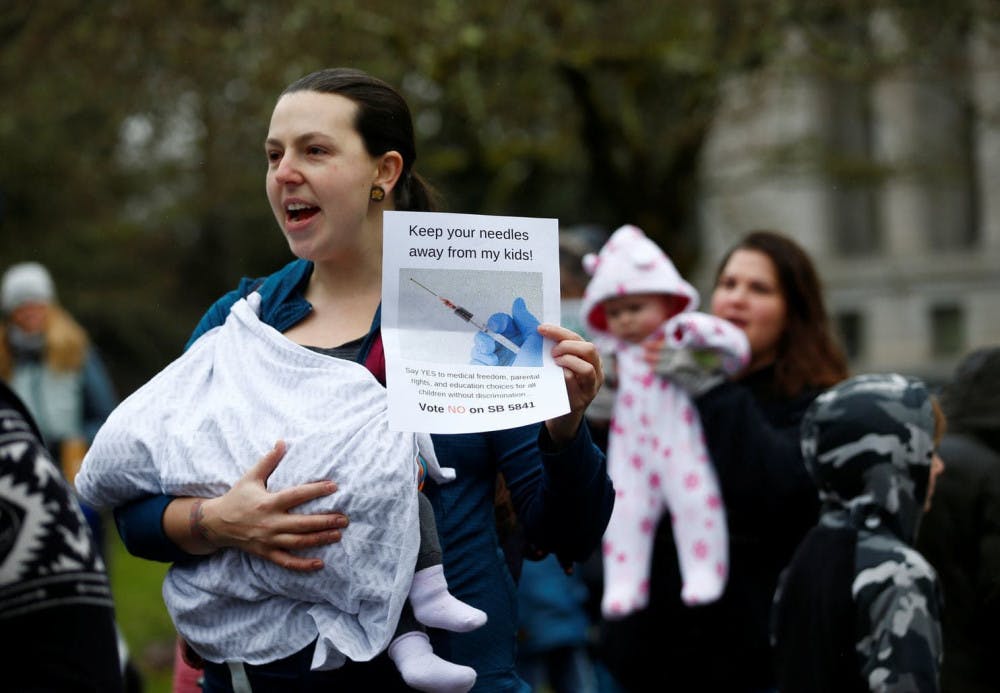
(194, 430)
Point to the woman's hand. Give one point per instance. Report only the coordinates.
(581, 366)
(251, 518)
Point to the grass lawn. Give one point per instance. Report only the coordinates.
(136, 586)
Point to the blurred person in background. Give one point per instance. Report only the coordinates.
(768, 286)
(858, 609)
(56, 610)
(49, 361)
(960, 536)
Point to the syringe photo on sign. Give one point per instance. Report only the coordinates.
(479, 317)
(462, 298)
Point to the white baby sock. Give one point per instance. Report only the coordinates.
(434, 605)
(425, 671)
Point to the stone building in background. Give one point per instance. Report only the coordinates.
(892, 184)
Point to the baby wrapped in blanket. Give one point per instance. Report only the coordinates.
(194, 430)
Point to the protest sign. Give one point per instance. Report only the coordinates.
(461, 297)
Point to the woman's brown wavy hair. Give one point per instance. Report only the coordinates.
(66, 344)
(808, 355)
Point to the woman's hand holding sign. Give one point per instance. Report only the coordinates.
(581, 364)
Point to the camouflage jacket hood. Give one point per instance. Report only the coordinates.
(868, 444)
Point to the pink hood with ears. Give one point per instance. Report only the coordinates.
(630, 263)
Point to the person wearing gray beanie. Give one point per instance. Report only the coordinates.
(47, 359)
(43, 353)
(26, 282)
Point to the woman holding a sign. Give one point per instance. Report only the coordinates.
(340, 152)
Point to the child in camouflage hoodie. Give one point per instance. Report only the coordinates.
(858, 607)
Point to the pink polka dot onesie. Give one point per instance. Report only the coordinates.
(657, 457)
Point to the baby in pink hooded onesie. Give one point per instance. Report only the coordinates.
(657, 456)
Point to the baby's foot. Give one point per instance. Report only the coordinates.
(425, 671)
(703, 586)
(434, 605)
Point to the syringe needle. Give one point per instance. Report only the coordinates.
(422, 286)
(467, 316)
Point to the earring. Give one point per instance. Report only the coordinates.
(377, 194)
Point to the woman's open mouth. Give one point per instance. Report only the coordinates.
(297, 212)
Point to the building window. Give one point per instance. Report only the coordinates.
(850, 328)
(854, 175)
(949, 173)
(947, 330)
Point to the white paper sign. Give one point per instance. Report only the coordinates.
(448, 368)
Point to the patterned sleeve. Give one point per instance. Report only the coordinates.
(48, 557)
(56, 608)
(899, 620)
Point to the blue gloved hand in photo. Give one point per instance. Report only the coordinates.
(520, 327)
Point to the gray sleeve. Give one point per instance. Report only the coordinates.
(899, 645)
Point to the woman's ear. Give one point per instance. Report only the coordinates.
(390, 168)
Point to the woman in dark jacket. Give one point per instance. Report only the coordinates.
(960, 536)
(766, 285)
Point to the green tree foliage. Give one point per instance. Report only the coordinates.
(132, 130)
